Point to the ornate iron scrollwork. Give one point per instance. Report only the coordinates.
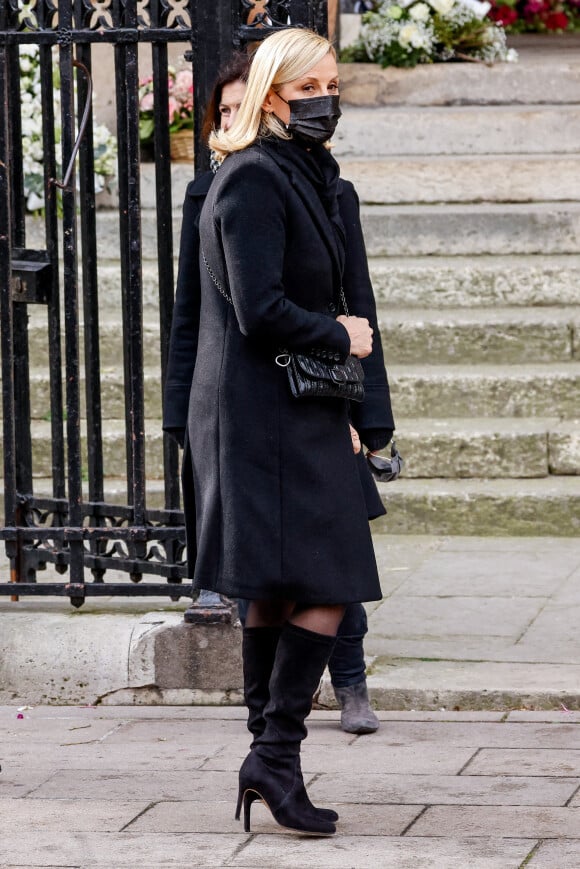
(176, 14)
(262, 17)
(99, 14)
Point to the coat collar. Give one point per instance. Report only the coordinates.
(279, 151)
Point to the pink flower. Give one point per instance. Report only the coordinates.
(184, 80)
(173, 108)
(147, 102)
(534, 7)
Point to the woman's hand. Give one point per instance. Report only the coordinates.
(360, 334)
(356, 444)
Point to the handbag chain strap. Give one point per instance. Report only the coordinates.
(230, 300)
(215, 280)
(343, 300)
(283, 358)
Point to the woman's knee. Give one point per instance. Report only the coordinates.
(320, 619)
(265, 613)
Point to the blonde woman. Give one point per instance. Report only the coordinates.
(281, 518)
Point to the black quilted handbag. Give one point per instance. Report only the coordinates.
(317, 373)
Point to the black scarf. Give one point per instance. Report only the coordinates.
(318, 166)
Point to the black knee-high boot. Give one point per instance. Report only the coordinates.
(259, 647)
(258, 652)
(271, 772)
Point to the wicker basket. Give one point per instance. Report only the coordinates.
(181, 146)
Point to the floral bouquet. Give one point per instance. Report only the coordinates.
(104, 143)
(521, 16)
(179, 107)
(408, 32)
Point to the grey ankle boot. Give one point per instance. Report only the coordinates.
(357, 715)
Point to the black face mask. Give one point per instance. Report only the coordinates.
(314, 119)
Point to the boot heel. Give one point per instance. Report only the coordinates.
(249, 798)
(239, 804)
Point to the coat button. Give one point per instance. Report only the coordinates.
(332, 308)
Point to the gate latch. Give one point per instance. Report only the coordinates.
(31, 276)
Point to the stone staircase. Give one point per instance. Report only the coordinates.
(472, 221)
(469, 180)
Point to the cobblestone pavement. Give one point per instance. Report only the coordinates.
(156, 786)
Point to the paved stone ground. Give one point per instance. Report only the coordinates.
(465, 622)
(475, 623)
(150, 787)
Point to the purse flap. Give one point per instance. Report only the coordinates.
(326, 369)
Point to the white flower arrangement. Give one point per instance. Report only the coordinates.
(104, 143)
(408, 32)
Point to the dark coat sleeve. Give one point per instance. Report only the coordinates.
(255, 263)
(373, 418)
(185, 322)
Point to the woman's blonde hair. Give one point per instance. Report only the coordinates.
(281, 58)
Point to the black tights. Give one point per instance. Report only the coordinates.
(270, 613)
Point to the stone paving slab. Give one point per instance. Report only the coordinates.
(395, 735)
(556, 855)
(218, 817)
(431, 684)
(121, 849)
(107, 783)
(492, 573)
(499, 822)
(399, 760)
(153, 755)
(562, 716)
(396, 807)
(18, 817)
(517, 761)
(359, 852)
(405, 615)
(386, 788)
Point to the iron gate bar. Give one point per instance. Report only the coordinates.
(71, 290)
(163, 201)
(51, 231)
(100, 589)
(63, 530)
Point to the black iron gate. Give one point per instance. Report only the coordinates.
(72, 525)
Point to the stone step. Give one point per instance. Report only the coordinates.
(405, 282)
(408, 230)
(111, 341)
(527, 508)
(436, 391)
(455, 336)
(441, 282)
(449, 336)
(441, 391)
(464, 178)
(552, 79)
(114, 454)
(456, 229)
(407, 130)
(445, 448)
(488, 448)
(482, 507)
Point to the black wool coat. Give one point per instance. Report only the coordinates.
(373, 418)
(280, 509)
